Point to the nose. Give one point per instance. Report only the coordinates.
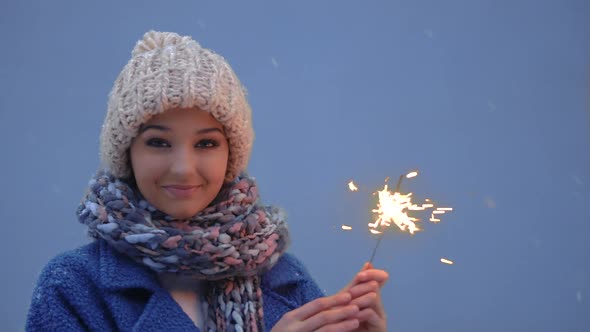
(184, 162)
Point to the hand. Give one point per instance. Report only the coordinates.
(365, 289)
(334, 313)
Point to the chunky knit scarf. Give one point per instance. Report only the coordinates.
(229, 244)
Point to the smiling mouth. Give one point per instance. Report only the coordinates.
(181, 191)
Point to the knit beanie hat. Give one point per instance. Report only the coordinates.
(169, 71)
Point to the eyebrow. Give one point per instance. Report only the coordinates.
(143, 129)
(210, 130)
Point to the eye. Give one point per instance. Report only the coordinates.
(157, 143)
(207, 143)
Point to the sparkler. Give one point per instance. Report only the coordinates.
(394, 208)
(387, 209)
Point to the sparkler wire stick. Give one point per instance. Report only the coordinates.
(397, 189)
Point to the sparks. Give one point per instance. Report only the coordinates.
(352, 186)
(392, 208)
(446, 261)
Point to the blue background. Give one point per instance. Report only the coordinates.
(488, 99)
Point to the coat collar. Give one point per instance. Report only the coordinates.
(118, 272)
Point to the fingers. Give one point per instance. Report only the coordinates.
(358, 305)
(371, 317)
(318, 305)
(344, 326)
(364, 288)
(367, 266)
(331, 313)
(333, 320)
(366, 274)
(366, 300)
(372, 312)
(371, 274)
(371, 300)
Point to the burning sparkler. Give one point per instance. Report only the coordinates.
(393, 207)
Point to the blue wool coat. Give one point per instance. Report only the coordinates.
(95, 288)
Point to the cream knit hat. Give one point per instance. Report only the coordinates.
(168, 71)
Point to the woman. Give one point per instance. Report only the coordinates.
(182, 241)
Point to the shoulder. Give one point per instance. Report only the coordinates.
(288, 270)
(97, 265)
(71, 267)
(65, 285)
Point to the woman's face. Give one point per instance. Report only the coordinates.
(179, 159)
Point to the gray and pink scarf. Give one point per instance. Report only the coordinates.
(229, 244)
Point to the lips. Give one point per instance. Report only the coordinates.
(181, 191)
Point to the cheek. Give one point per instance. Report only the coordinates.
(145, 167)
(213, 162)
(220, 164)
